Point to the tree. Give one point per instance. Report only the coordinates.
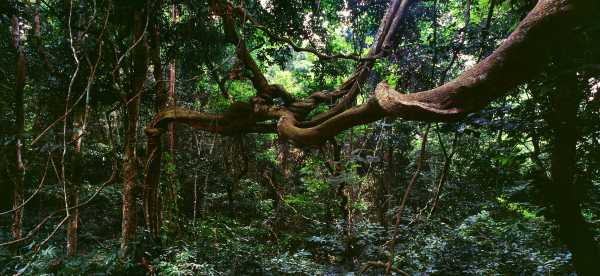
(504, 69)
(543, 33)
(561, 188)
(316, 125)
(130, 174)
(20, 78)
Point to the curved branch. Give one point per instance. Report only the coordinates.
(319, 134)
(520, 57)
(266, 91)
(245, 118)
(240, 118)
(543, 33)
(351, 88)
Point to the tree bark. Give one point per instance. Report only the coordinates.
(152, 206)
(20, 78)
(152, 201)
(140, 68)
(573, 229)
(384, 186)
(75, 184)
(171, 102)
(172, 81)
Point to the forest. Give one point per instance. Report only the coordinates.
(300, 137)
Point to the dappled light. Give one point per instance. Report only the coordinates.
(262, 137)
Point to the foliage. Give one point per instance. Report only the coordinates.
(255, 204)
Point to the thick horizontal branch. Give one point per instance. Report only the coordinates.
(316, 135)
(544, 32)
(239, 119)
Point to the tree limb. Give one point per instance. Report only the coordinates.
(545, 32)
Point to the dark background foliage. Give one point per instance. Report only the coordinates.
(254, 204)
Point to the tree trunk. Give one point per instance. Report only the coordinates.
(140, 67)
(384, 187)
(573, 229)
(74, 185)
(20, 77)
(171, 102)
(238, 165)
(283, 152)
(338, 169)
(152, 204)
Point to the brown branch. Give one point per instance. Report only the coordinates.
(543, 33)
(444, 172)
(349, 89)
(385, 41)
(240, 118)
(37, 190)
(259, 81)
(520, 57)
(39, 226)
(392, 242)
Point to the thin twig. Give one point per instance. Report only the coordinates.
(39, 226)
(392, 242)
(32, 195)
(88, 86)
(298, 48)
(132, 46)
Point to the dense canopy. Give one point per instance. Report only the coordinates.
(299, 137)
